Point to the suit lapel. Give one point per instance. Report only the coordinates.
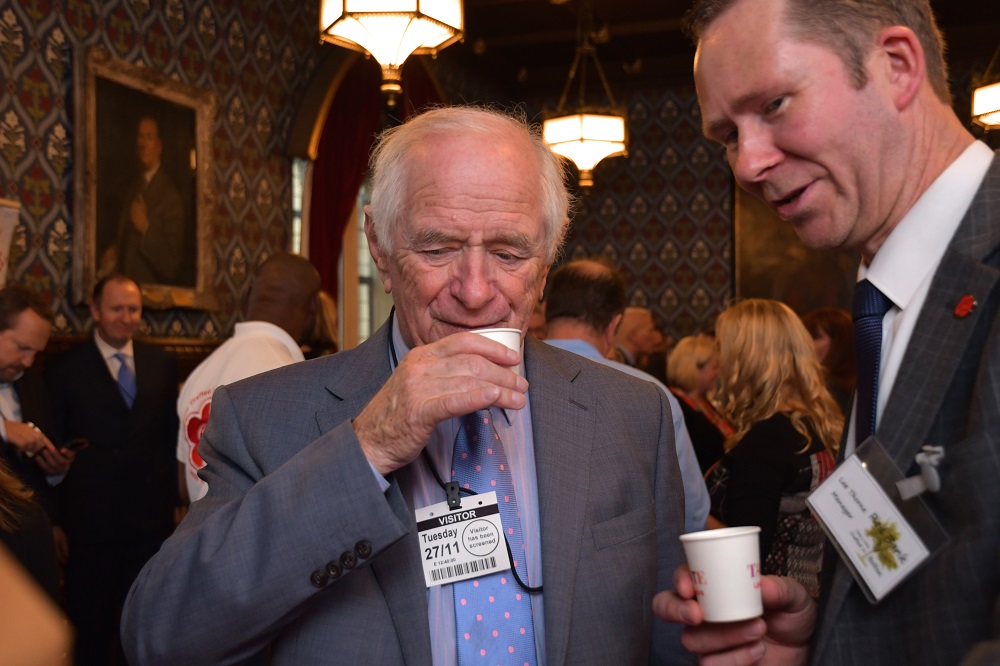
(104, 382)
(356, 381)
(563, 427)
(398, 574)
(934, 356)
(940, 338)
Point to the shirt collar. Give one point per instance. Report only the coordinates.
(107, 351)
(11, 382)
(915, 247)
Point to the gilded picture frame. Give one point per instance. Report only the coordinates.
(144, 190)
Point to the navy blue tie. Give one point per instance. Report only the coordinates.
(870, 306)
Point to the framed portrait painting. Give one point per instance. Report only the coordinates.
(144, 191)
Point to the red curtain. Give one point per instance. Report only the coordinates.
(341, 160)
(355, 117)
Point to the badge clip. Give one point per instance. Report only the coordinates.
(928, 459)
(454, 495)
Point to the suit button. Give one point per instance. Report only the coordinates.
(318, 578)
(348, 560)
(334, 569)
(363, 549)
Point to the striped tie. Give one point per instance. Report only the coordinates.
(870, 306)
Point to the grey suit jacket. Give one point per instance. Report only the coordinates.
(947, 394)
(291, 497)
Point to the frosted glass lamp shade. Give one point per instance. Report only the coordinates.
(986, 105)
(586, 138)
(391, 30)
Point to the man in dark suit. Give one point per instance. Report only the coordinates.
(151, 229)
(26, 422)
(117, 501)
(308, 543)
(838, 115)
(25, 414)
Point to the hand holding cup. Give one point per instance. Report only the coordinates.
(725, 571)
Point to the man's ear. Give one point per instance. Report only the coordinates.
(378, 255)
(609, 332)
(541, 286)
(905, 66)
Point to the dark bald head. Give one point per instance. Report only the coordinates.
(284, 293)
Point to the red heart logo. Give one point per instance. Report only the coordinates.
(195, 427)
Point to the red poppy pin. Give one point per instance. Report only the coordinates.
(965, 306)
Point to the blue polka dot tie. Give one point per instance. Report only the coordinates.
(126, 381)
(870, 306)
(492, 613)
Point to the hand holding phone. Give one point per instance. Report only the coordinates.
(77, 444)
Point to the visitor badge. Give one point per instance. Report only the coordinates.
(462, 543)
(874, 539)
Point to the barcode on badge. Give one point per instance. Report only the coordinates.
(463, 568)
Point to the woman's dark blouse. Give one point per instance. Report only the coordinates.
(31, 543)
(764, 480)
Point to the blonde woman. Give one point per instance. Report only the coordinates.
(692, 373)
(786, 432)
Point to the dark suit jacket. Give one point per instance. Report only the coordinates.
(290, 491)
(35, 407)
(124, 485)
(947, 394)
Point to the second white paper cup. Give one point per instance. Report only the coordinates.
(509, 337)
(725, 570)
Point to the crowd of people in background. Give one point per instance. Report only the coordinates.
(302, 540)
(110, 505)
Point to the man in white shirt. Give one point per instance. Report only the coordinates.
(839, 117)
(281, 312)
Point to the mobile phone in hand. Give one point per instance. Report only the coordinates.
(77, 444)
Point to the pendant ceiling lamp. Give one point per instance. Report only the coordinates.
(986, 97)
(390, 30)
(986, 106)
(586, 134)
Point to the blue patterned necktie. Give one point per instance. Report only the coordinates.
(492, 613)
(870, 306)
(126, 380)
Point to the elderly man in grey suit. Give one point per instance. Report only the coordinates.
(838, 115)
(325, 530)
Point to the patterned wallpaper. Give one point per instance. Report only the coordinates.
(256, 55)
(662, 214)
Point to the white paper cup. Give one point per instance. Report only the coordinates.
(509, 337)
(725, 570)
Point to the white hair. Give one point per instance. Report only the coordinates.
(388, 166)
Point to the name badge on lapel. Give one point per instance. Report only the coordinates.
(881, 537)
